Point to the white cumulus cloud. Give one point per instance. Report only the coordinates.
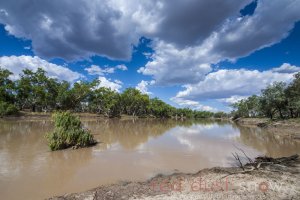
(237, 36)
(115, 85)
(286, 68)
(231, 85)
(17, 64)
(97, 70)
(143, 86)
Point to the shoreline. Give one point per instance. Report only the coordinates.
(282, 128)
(24, 115)
(274, 181)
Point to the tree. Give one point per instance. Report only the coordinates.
(220, 115)
(80, 93)
(32, 90)
(273, 99)
(134, 102)
(184, 113)
(7, 86)
(203, 114)
(249, 107)
(293, 96)
(105, 101)
(160, 109)
(64, 99)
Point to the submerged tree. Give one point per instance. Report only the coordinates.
(68, 132)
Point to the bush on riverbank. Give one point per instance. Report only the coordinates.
(7, 109)
(68, 132)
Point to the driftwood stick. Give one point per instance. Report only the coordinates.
(237, 158)
(249, 159)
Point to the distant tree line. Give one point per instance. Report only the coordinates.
(279, 100)
(37, 92)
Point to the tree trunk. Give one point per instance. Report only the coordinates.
(33, 108)
(292, 113)
(280, 113)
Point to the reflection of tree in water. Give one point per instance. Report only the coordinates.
(132, 133)
(269, 143)
(128, 133)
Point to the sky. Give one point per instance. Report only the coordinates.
(204, 55)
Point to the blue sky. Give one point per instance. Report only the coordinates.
(181, 52)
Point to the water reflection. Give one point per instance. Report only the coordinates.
(128, 150)
(268, 143)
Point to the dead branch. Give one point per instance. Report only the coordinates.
(249, 159)
(237, 158)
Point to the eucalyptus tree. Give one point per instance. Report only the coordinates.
(32, 90)
(160, 109)
(105, 101)
(80, 93)
(293, 96)
(134, 103)
(7, 86)
(273, 100)
(7, 93)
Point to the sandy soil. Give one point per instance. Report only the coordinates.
(276, 181)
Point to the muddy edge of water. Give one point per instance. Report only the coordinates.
(271, 182)
(282, 128)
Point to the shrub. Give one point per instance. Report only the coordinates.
(68, 132)
(7, 109)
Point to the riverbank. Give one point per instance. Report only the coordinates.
(282, 128)
(273, 179)
(23, 115)
(26, 115)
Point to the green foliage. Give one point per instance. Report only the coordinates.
(203, 114)
(220, 115)
(160, 109)
(68, 132)
(293, 97)
(134, 102)
(276, 101)
(184, 113)
(105, 101)
(38, 92)
(7, 86)
(7, 109)
(79, 95)
(35, 90)
(247, 107)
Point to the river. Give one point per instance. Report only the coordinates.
(128, 150)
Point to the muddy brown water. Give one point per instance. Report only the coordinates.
(129, 150)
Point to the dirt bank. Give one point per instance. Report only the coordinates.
(273, 179)
(285, 128)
